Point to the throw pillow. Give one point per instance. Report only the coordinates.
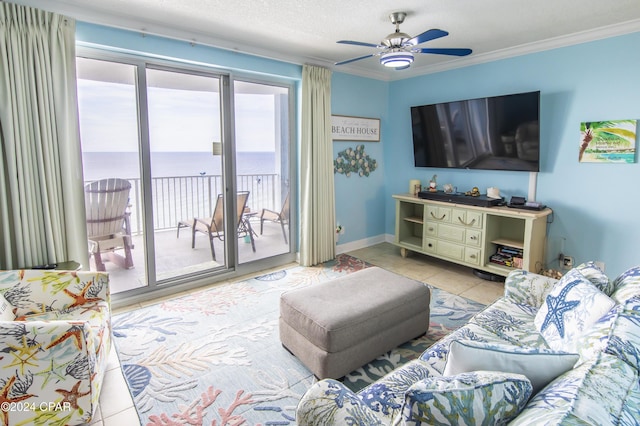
(6, 310)
(539, 365)
(570, 309)
(627, 285)
(481, 397)
(595, 275)
(595, 340)
(624, 337)
(600, 391)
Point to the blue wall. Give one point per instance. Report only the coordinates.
(360, 201)
(595, 205)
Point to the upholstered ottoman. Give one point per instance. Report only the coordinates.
(336, 327)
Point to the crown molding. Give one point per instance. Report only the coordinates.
(595, 34)
(162, 30)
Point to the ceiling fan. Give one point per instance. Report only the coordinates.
(397, 49)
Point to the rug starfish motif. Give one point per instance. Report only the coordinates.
(558, 306)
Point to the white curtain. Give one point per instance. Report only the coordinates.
(42, 218)
(317, 199)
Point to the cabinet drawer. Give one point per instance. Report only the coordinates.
(431, 229)
(449, 250)
(473, 237)
(430, 245)
(468, 218)
(439, 214)
(451, 233)
(472, 255)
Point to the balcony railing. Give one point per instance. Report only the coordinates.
(183, 197)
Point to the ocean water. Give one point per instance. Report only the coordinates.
(187, 197)
(101, 165)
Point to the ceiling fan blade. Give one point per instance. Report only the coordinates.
(357, 43)
(453, 52)
(354, 59)
(426, 36)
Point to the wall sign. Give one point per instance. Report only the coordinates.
(608, 141)
(345, 128)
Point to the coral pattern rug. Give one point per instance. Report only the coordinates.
(214, 357)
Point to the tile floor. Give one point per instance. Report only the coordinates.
(116, 406)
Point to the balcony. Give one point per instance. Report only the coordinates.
(182, 197)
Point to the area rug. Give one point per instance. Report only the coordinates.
(214, 357)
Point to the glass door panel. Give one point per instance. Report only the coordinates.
(186, 172)
(108, 111)
(262, 169)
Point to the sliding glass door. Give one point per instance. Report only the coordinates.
(159, 131)
(109, 129)
(202, 162)
(262, 136)
(185, 141)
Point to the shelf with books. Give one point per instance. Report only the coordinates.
(508, 255)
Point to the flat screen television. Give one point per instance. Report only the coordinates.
(493, 133)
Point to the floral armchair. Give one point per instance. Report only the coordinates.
(54, 354)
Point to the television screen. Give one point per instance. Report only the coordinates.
(494, 133)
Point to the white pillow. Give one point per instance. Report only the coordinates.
(6, 310)
(540, 366)
(569, 310)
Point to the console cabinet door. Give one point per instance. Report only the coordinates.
(472, 255)
(473, 237)
(439, 214)
(430, 245)
(451, 233)
(453, 251)
(467, 218)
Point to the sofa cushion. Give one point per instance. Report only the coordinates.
(481, 397)
(540, 366)
(526, 288)
(594, 274)
(595, 392)
(624, 339)
(570, 309)
(511, 322)
(596, 338)
(627, 285)
(6, 310)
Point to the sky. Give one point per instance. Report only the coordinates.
(180, 120)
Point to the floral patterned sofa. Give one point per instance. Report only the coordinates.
(553, 352)
(53, 346)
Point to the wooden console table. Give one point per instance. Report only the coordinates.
(470, 235)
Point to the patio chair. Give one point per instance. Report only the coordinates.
(281, 217)
(214, 226)
(108, 226)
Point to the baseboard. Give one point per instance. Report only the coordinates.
(365, 242)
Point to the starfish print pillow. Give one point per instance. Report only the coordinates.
(569, 311)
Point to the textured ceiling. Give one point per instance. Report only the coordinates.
(302, 31)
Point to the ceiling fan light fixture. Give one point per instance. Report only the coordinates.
(397, 59)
